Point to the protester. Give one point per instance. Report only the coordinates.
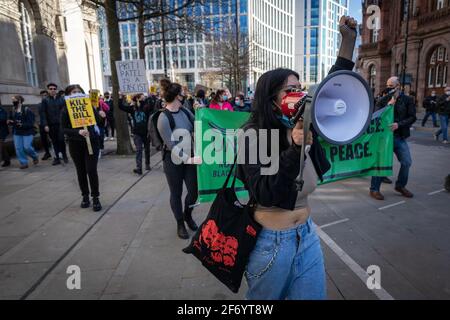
(103, 110)
(110, 121)
(220, 101)
(43, 135)
(51, 108)
(240, 105)
(86, 164)
(22, 121)
(287, 261)
(429, 104)
(443, 107)
(183, 169)
(200, 100)
(404, 117)
(140, 112)
(4, 132)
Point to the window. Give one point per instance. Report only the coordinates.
(28, 49)
(372, 76)
(438, 68)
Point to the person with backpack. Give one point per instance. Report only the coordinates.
(140, 112)
(22, 121)
(178, 160)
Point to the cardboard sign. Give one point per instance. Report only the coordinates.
(95, 96)
(132, 78)
(80, 110)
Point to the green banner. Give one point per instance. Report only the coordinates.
(370, 155)
(211, 174)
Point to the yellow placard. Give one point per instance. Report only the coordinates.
(153, 89)
(80, 111)
(94, 95)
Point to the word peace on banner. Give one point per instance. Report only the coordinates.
(80, 110)
(95, 97)
(132, 77)
(370, 155)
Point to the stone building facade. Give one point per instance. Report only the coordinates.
(381, 54)
(39, 44)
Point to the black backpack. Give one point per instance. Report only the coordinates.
(153, 132)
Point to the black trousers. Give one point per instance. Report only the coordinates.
(58, 140)
(141, 143)
(86, 166)
(4, 154)
(44, 139)
(110, 126)
(175, 175)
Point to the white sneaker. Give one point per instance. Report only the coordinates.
(436, 138)
(445, 142)
(111, 139)
(106, 139)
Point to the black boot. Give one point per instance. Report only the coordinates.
(96, 205)
(85, 203)
(181, 230)
(6, 163)
(138, 171)
(187, 215)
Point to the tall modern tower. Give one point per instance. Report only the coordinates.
(267, 25)
(317, 37)
(272, 36)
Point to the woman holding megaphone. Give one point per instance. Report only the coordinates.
(85, 161)
(287, 261)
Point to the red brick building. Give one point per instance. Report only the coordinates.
(381, 52)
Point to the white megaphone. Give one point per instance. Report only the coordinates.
(340, 109)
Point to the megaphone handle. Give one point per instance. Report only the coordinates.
(306, 125)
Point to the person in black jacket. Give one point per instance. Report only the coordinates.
(110, 121)
(287, 261)
(429, 105)
(4, 132)
(443, 108)
(51, 120)
(140, 112)
(22, 121)
(404, 117)
(86, 164)
(42, 133)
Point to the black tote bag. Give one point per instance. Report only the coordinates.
(226, 238)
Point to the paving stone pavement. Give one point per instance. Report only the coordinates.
(130, 250)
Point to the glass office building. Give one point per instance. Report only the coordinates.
(318, 39)
(267, 26)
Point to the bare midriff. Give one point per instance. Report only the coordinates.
(280, 219)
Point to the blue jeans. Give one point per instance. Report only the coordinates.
(427, 115)
(444, 127)
(401, 150)
(24, 147)
(287, 265)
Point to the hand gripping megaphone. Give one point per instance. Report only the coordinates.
(340, 109)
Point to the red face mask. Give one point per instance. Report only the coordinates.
(291, 103)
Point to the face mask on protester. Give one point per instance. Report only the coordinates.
(237, 102)
(225, 98)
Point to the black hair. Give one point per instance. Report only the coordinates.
(200, 94)
(51, 84)
(71, 87)
(264, 113)
(170, 90)
(43, 91)
(106, 93)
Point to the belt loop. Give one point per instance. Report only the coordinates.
(278, 238)
(309, 224)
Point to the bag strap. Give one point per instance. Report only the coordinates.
(229, 175)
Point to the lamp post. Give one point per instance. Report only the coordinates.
(405, 56)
